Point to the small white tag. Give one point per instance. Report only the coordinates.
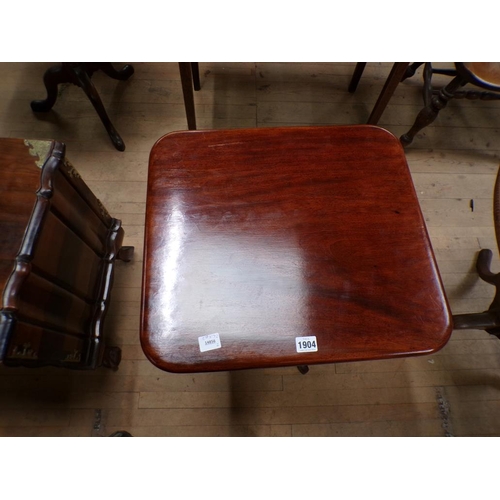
(209, 342)
(306, 344)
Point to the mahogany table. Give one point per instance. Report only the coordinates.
(286, 246)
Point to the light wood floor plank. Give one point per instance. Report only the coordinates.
(207, 431)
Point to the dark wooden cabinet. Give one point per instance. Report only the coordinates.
(58, 247)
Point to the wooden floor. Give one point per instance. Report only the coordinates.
(454, 392)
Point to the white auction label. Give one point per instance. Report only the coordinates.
(209, 342)
(306, 344)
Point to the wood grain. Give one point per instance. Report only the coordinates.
(61, 263)
(273, 234)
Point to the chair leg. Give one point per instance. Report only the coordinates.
(483, 264)
(112, 357)
(390, 85)
(427, 90)
(490, 319)
(483, 269)
(356, 76)
(487, 321)
(125, 253)
(187, 91)
(88, 87)
(428, 114)
(195, 69)
(80, 74)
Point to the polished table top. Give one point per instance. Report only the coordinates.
(286, 246)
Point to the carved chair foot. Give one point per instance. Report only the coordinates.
(406, 140)
(112, 357)
(303, 369)
(115, 137)
(125, 254)
(483, 264)
(41, 106)
(51, 79)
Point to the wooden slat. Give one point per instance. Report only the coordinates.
(62, 399)
(427, 427)
(35, 418)
(45, 431)
(260, 416)
(206, 430)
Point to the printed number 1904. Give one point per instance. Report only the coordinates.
(306, 344)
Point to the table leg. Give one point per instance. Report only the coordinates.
(397, 72)
(117, 74)
(85, 83)
(51, 79)
(125, 253)
(80, 74)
